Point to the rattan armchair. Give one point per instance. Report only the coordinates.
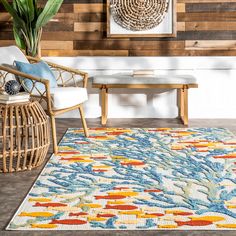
(65, 77)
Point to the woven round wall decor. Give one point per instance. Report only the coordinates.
(138, 15)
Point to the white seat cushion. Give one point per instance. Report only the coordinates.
(129, 79)
(10, 54)
(64, 97)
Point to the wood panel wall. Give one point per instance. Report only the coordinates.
(204, 28)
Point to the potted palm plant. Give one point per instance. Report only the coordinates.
(28, 20)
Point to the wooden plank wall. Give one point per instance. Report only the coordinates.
(204, 28)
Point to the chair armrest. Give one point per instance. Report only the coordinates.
(72, 71)
(42, 95)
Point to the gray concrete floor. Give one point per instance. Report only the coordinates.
(14, 187)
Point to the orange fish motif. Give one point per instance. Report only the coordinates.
(72, 159)
(150, 215)
(154, 214)
(182, 213)
(110, 197)
(132, 163)
(99, 170)
(69, 152)
(152, 190)
(49, 204)
(78, 214)
(82, 142)
(176, 148)
(228, 156)
(120, 188)
(188, 142)
(158, 130)
(98, 137)
(121, 207)
(229, 143)
(199, 150)
(194, 223)
(69, 222)
(99, 157)
(105, 215)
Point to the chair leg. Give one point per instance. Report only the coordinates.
(83, 121)
(54, 134)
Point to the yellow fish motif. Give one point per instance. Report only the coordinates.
(167, 226)
(91, 205)
(83, 161)
(66, 208)
(207, 218)
(102, 166)
(127, 194)
(116, 202)
(77, 131)
(43, 226)
(37, 214)
(210, 144)
(90, 218)
(105, 138)
(130, 212)
(231, 206)
(187, 133)
(63, 148)
(173, 211)
(39, 199)
(230, 226)
(146, 216)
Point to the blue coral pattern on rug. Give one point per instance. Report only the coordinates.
(135, 179)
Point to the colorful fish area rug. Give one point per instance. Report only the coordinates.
(135, 179)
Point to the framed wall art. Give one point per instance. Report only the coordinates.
(141, 18)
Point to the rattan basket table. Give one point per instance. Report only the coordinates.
(24, 136)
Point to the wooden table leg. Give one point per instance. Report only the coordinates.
(180, 103)
(104, 96)
(183, 105)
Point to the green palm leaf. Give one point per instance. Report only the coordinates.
(27, 7)
(28, 20)
(12, 11)
(19, 41)
(50, 9)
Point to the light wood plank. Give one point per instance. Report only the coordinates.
(89, 26)
(5, 16)
(62, 45)
(218, 25)
(204, 1)
(180, 7)
(210, 44)
(181, 26)
(74, 53)
(90, 7)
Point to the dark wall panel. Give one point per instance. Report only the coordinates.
(204, 28)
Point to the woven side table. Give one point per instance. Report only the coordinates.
(24, 136)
